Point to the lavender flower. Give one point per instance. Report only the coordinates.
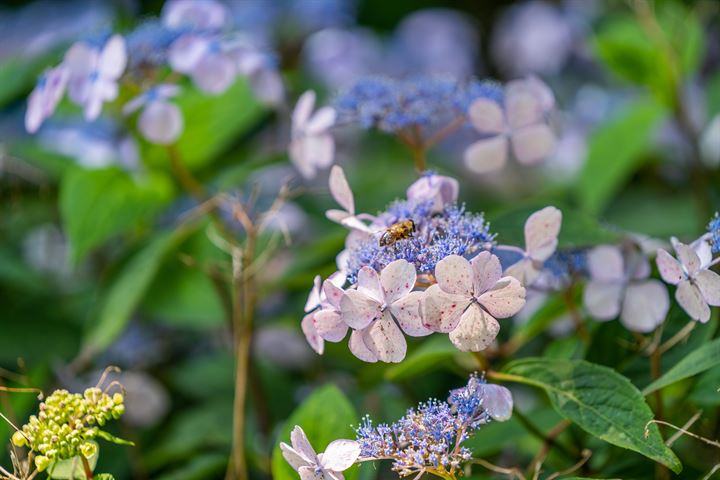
(714, 233)
(429, 438)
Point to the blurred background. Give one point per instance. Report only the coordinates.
(80, 202)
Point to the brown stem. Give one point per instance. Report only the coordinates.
(580, 329)
(86, 467)
(548, 444)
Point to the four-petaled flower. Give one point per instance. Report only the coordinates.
(329, 465)
(467, 299)
(441, 190)
(45, 97)
(160, 121)
(620, 285)
(311, 145)
(374, 307)
(697, 286)
(319, 323)
(541, 240)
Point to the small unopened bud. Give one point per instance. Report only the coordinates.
(88, 449)
(19, 439)
(42, 462)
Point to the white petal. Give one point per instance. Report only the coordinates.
(454, 274)
(703, 249)
(293, 458)
(311, 334)
(670, 269)
(486, 272)
(336, 215)
(303, 109)
(533, 144)
(358, 310)
(688, 257)
(359, 349)
(406, 311)
(323, 119)
(397, 280)
(505, 299)
(385, 340)
(522, 105)
(368, 283)
(186, 52)
(134, 105)
(605, 264)
(214, 73)
(524, 271)
(313, 299)
(476, 330)
(301, 444)
(709, 284)
(486, 116)
(497, 402)
(691, 300)
(441, 311)
(340, 455)
(440, 189)
(645, 306)
(113, 59)
(602, 299)
(311, 473)
(161, 122)
(340, 189)
(81, 59)
(330, 325)
(333, 293)
(541, 232)
(487, 155)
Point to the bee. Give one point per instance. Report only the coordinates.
(397, 231)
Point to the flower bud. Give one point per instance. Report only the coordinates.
(19, 439)
(88, 449)
(42, 462)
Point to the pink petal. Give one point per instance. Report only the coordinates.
(605, 264)
(602, 299)
(303, 109)
(311, 473)
(454, 274)
(313, 299)
(524, 271)
(397, 280)
(214, 73)
(406, 311)
(323, 119)
(522, 106)
(340, 455)
(186, 52)
(293, 458)
(337, 215)
(385, 340)
(645, 306)
(368, 283)
(333, 294)
(533, 144)
(358, 310)
(670, 269)
(487, 116)
(476, 330)
(688, 257)
(541, 232)
(340, 189)
(487, 155)
(113, 58)
(691, 300)
(438, 188)
(441, 311)
(301, 444)
(486, 272)
(497, 402)
(505, 299)
(161, 122)
(311, 334)
(330, 325)
(709, 284)
(359, 349)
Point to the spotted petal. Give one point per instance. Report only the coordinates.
(441, 310)
(406, 311)
(359, 349)
(385, 340)
(476, 330)
(691, 300)
(709, 284)
(295, 460)
(688, 257)
(333, 293)
(340, 455)
(487, 155)
(602, 299)
(311, 334)
(645, 306)
(486, 272)
(670, 269)
(358, 310)
(330, 325)
(541, 232)
(505, 299)
(454, 274)
(397, 280)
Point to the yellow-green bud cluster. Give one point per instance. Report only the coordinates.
(66, 423)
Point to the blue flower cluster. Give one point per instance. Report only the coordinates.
(429, 436)
(714, 232)
(563, 265)
(397, 105)
(149, 43)
(452, 231)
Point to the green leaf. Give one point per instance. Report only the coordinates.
(72, 468)
(200, 467)
(108, 437)
(615, 152)
(326, 415)
(103, 476)
(578, 228)
(128, 290)
(705, 357)
(706, 391)
(98, 204)
(428, 357)
(600, 401)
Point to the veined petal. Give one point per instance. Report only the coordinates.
(358, 310)
(541, 232)
(385, 340)
(330, 325)
(368, 283)
(645, 306)
(407, 312)
(709, 284)
(293, 457)
(397, 280)
(340, 455)
(688, 257)
(691, 300)
(476, 330)
(301, 445)
(602, 299)
(670, 269)
(454, 274)
(486, 272)
(359, 349)
(441, 310)
(505, 299)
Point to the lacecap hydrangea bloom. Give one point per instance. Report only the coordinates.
(424, 265)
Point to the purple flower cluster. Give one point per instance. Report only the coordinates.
(395, 105)
(714, 233)
(451, 231)
(429, 438)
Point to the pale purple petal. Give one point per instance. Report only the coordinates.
(303, 109)
(487, 155)
(311, 334)
(441, 311)
(340, 455)
(438, 188)
(541, 232)
(368, 283)
(161, 122)
(214, 73)
(602, 299)
(330, 325)
(397, 280)
(486, 272)
(532, 144)
(313, 299)
(709, 284)
(454, 274)
(645, 306)
(688, 257)
(358, 310)
(302, 446)
(497, 402)
(385, 340)
(691, 300)
(487, 116)
(407, 313)
(333, 293)
(293, 458)
(340, 189)
(605, 264)
(522, 105)
(186, 52)
(323, 119)
(204, 15)
(670, 269)
(505, 299)
(113, 58)
(359, 349)
(311, 473)
(476, 330)
(524, 270)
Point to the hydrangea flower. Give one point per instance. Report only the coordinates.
(341, 192)
(338, 457)
(541, 239)
(518, 126)
(698, 288)
(207, 60)
(713, 235)
(319, 323)
(45, 97)
(207, 15)
(619, 285)
(311, 146)
(467, 299)
(160, 121)
(429, 438)
(439, 189)
(375, 309)
(94, 73)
